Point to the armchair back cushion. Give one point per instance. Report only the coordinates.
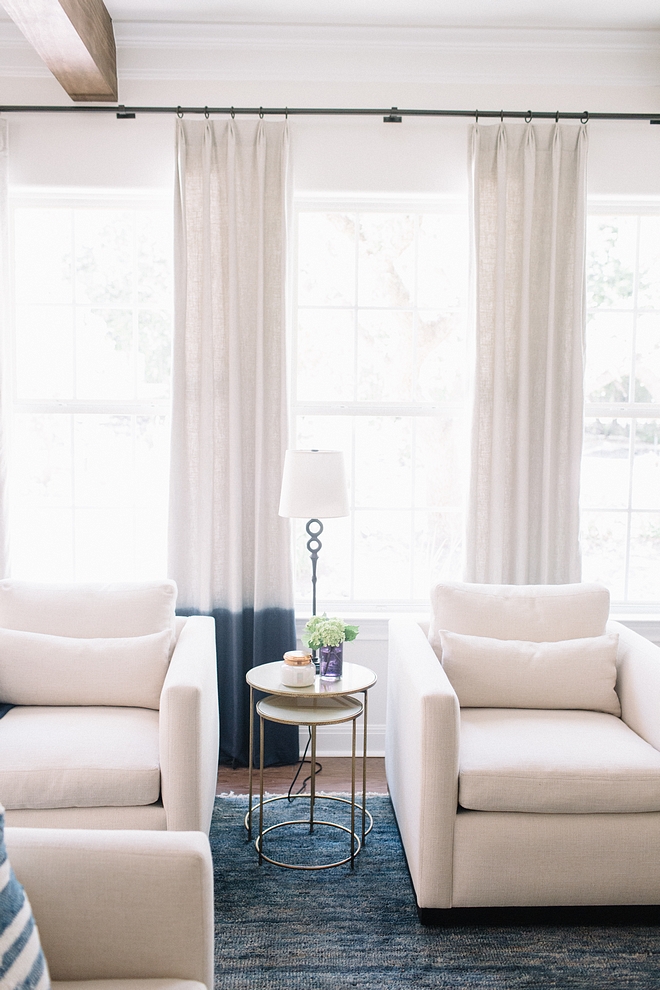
(530, 612)
(88, 610)
(496, 673)
(37, 669)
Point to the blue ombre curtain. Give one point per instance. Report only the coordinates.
(229, 551)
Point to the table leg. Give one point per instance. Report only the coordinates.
(312, 798)
(364, 767)
(354, 740)
(261, 785)
(251, 749)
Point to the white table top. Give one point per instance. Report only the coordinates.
(354, 678)
(310, 710)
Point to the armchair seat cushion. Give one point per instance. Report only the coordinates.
(529, 760)
(79, 757)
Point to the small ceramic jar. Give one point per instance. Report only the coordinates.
(298, 669)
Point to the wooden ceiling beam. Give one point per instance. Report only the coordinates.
(76, 41)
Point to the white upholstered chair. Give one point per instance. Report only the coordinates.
(135, 906)
(516, 798)
(116, 724)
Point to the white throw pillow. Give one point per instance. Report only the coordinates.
(85, 610)
(498, 673)
(540, 612)
(36, 669)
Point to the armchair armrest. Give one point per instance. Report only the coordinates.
(421, 759)
(638, 683)
(189, 728)
(119, 904)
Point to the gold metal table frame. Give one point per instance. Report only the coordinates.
(323, 703)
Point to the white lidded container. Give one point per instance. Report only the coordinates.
(298, 669)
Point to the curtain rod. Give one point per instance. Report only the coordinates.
(390, 115)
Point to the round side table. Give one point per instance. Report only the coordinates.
(321, 703)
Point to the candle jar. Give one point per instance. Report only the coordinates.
(297, 669)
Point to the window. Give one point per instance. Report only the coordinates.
(620, 500)
(380, 372)
(91, 350)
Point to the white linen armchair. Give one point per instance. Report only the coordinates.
(116, 724)
(508, 807)
(119, 905)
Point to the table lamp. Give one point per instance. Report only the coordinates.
(313, 485)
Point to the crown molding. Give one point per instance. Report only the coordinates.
(240, 52)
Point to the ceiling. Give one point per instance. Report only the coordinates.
(557, 14)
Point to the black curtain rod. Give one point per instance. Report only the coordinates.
(390, 114)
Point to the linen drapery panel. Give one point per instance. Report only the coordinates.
(4, 297)
(528, 222)
(229, 551)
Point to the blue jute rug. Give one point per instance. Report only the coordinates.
(282, 929)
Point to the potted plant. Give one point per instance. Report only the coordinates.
(327, 634)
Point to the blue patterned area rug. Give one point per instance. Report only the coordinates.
(282, 929)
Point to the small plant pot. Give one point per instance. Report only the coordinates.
(331, 660)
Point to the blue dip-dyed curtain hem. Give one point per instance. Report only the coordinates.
(245, 640)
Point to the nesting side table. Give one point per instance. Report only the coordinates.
(321, 703)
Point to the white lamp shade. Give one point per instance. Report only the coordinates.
(314, 485)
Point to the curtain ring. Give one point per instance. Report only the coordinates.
(286, 113)
(261, 113)
(584, 119)
(233, 115)
(206, 112)
(557, 117)
(179, 112)
(528, 117)
(476, 116)
(501, 116)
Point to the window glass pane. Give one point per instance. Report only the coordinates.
(647, 358)
(42, 460)
(154, 353)
(441, 357)
(153, 268)
(441, 460)
(104, 242)
(603, 540)
(326, 259)
(649, 263)
(104, 544)
(385, 355)
(42, 543)
(383, 461)
(44, 352)
(609, 343)
(325, 358)
(386, 260)
(382, 555)
(611, 252)
(442, 261)
(43, 256)
(104, 354)
(437, 550)
(644, 576)
(605, 464)
(646, 468)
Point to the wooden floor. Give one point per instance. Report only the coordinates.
(335, 776)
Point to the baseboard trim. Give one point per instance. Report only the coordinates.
(588, 914)
(335, 740)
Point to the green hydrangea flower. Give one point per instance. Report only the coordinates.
(321, 630)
